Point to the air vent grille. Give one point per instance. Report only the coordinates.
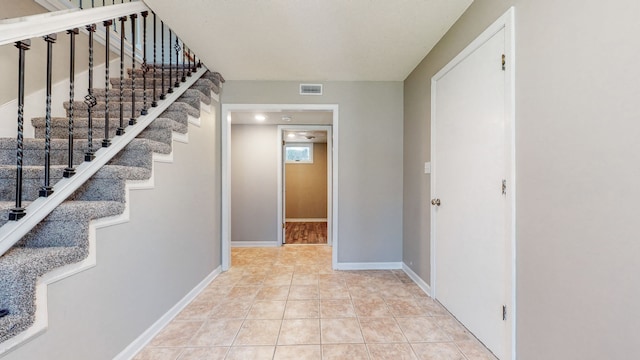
(310, 89)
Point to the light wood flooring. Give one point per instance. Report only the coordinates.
(306, 232)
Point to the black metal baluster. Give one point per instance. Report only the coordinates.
(154, 103)
(120, 130)
(90, 100)
(145, 66)
(162, 94)
(93, 4)
(184, 65)
(177, 48)
(106, 142)
(47, 189)
(69, 171)
(170, 90)
(18, 211)
(189, 57)
(132, 120)
(80, 4)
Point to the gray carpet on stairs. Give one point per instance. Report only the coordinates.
(62, 237)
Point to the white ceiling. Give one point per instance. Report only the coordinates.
(296, 117)
(305, 136)
(311, 40)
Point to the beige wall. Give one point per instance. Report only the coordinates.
(577, 172)
(369, 159)
(306, 187)
(254, 182)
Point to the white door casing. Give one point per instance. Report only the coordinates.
(226, 110)
(472, 234)
(281, 177)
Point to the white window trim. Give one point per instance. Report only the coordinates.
(297, 144)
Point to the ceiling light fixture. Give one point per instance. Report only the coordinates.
(260, 117)
(291, 135)
(286, 118)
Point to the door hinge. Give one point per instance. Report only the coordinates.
(504, 62)
(504, 312)
(284, 225)
(283, 143)
(504, 187)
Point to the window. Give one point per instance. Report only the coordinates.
(298, 153)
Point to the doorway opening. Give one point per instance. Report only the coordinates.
(305, 184)
(268, 118)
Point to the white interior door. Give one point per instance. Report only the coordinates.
(470, 161)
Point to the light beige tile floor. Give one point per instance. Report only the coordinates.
(287, 303)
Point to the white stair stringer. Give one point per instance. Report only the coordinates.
(41, 321)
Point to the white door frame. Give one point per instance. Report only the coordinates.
(281, 182)
(226, 109)
(506, 22)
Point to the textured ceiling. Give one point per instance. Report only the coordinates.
(311, 40)
(284, 117)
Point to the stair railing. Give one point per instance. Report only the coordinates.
(21, 32)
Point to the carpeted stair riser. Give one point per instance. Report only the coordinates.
(80, 109)
(139, 81)
(33, 153)
(158, 75)
(60, 130)
(114, 94)
(62, 237)
(32, 181)
(127, 83)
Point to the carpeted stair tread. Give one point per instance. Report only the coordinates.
(208, 83)
(85, 210)
(121, 172)
(20, 267)
(71, 217)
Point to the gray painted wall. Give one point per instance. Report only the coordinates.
(254, 182)
(370, 159)
(577, 172)
(145, 266)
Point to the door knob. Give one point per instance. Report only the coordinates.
(435, 202)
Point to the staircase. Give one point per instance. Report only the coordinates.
(63, 237)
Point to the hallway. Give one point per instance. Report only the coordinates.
(287, 303)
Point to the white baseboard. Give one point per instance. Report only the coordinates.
(254, 244)
(138, 344)
(306, 220)
(369, 266)
(417, 279)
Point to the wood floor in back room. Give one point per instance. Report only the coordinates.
(306, 232)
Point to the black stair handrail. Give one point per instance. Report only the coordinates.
(22, 219)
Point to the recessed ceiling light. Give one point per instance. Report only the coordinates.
(291, 135)
(260, 117)
(286, 118)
